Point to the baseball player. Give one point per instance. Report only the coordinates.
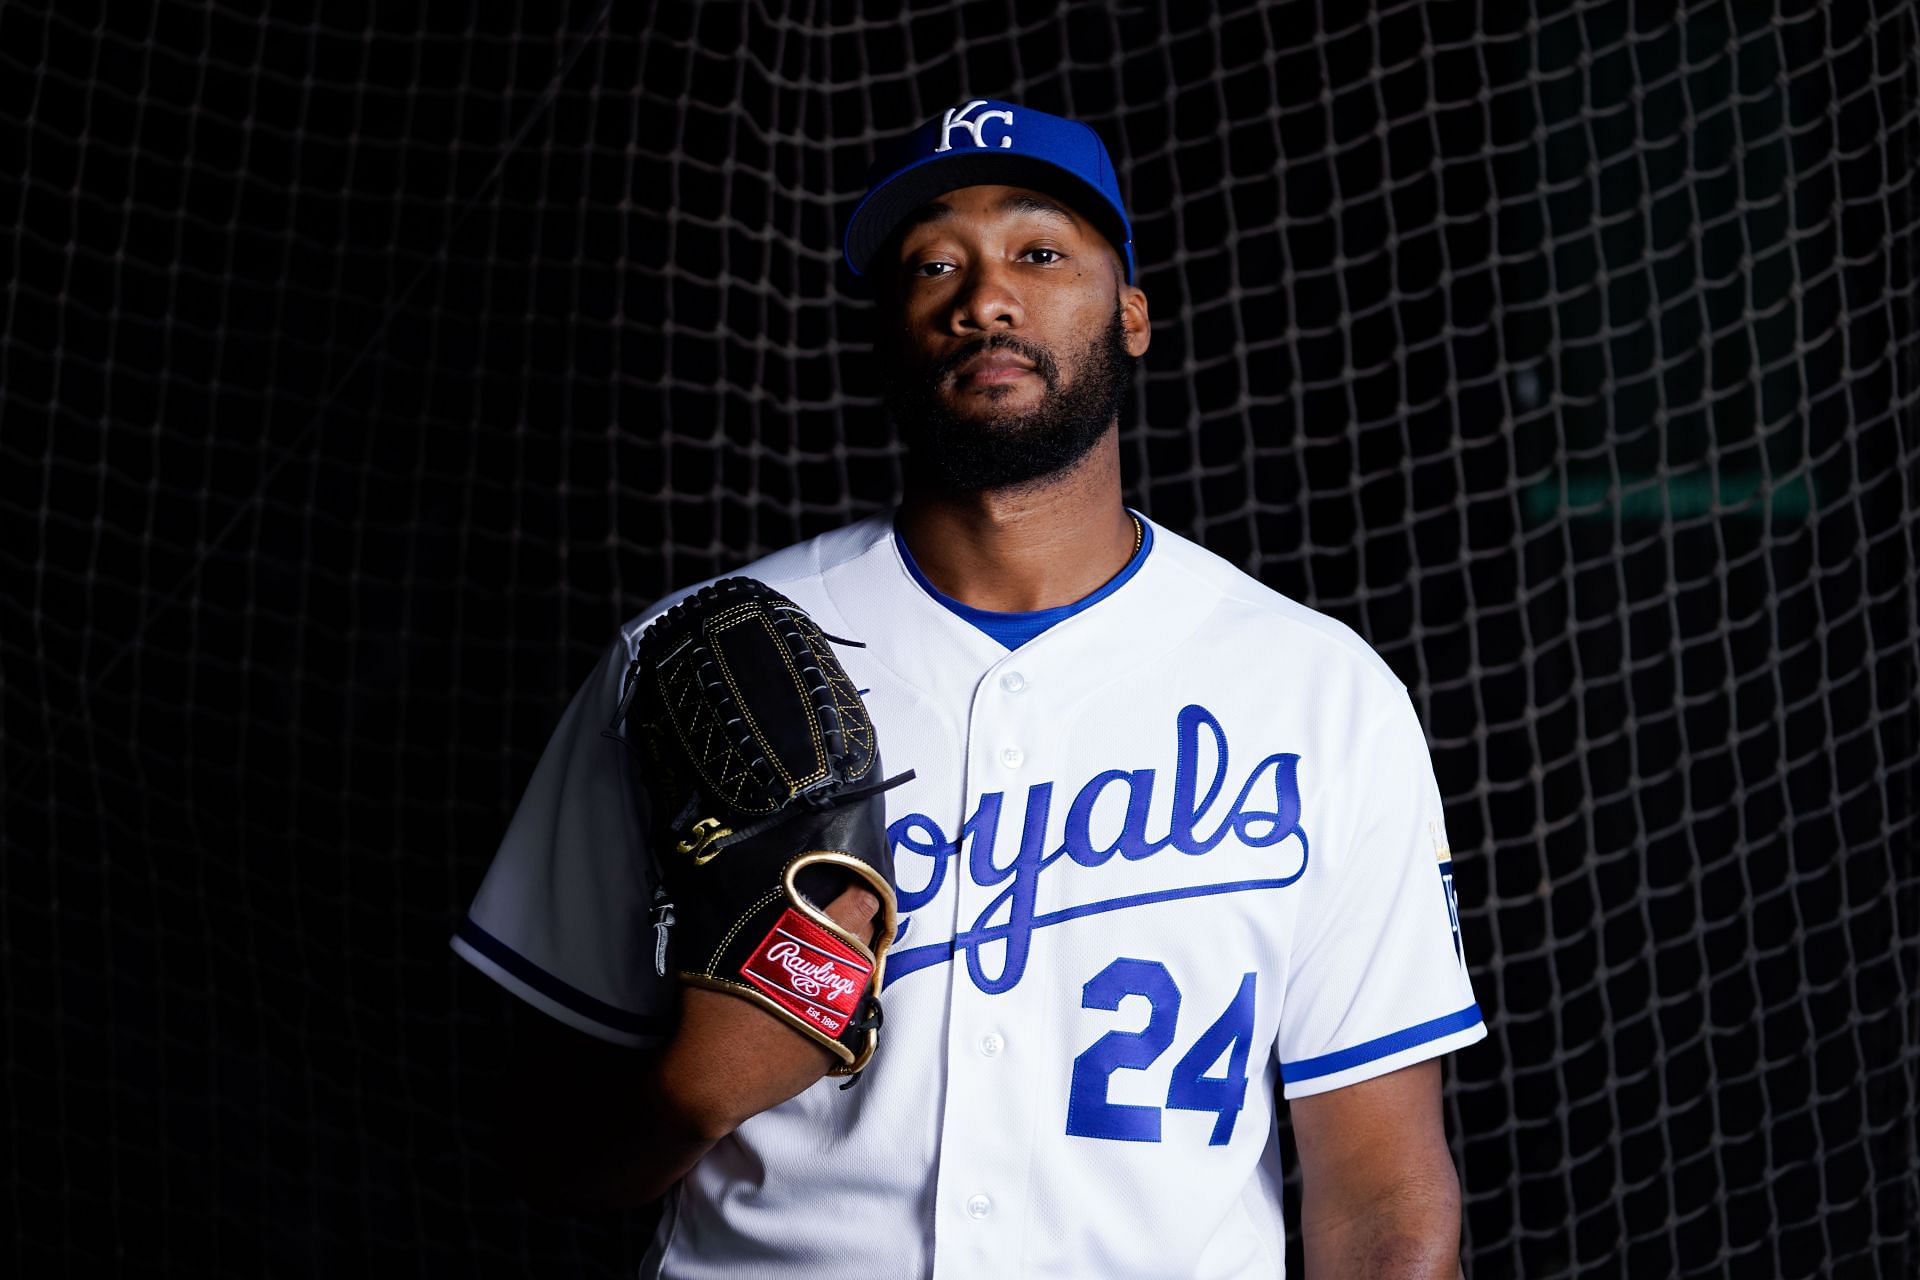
(1171, 849)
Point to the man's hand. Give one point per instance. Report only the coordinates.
(594, 1125)
(1379, 1194)
(730, 1060)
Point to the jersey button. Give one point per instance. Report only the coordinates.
(1013, 757)
(1013, 682)
(991, 1044)
(978, 1207)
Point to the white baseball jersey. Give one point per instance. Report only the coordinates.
(1179, 849)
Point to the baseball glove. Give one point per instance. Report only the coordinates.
(759, 770)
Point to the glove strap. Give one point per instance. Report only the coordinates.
(662, 922)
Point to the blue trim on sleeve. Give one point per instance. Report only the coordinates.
(1340, 1059)
(559, 992)
(1012, 628)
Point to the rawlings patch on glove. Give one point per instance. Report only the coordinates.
(760, 772)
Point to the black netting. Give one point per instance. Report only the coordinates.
(363, 366)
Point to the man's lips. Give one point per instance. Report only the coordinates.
(992, 367)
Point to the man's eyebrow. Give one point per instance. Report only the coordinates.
(932, 211)
(1027, 202)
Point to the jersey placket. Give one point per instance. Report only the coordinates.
(981, 1196)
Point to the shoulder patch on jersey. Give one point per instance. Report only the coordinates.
(1443, 857)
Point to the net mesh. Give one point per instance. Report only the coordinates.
(364, 366)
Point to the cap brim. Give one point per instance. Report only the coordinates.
(885, 208)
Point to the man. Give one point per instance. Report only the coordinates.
(1173, 844)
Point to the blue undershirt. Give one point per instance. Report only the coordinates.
(1015, 629)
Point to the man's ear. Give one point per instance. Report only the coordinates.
(1134, 319)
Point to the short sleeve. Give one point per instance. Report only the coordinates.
(1377, 977)
(563, 917)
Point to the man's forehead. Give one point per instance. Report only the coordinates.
(1000, 201)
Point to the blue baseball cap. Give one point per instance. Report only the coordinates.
(987, 141)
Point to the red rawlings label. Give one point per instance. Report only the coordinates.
(808, 972)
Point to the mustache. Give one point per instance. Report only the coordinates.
(943, 370)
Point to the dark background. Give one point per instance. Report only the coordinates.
(363, 367)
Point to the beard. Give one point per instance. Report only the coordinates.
(965, 454)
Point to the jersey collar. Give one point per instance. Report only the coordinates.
(1014, 628)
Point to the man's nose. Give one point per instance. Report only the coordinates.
(987, 301)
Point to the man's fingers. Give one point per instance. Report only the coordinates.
(855, 909)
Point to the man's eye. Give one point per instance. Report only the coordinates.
(1043, 256)
(931, 270)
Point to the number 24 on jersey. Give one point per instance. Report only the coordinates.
(1091, 1115)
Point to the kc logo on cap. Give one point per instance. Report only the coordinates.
(956, 118)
